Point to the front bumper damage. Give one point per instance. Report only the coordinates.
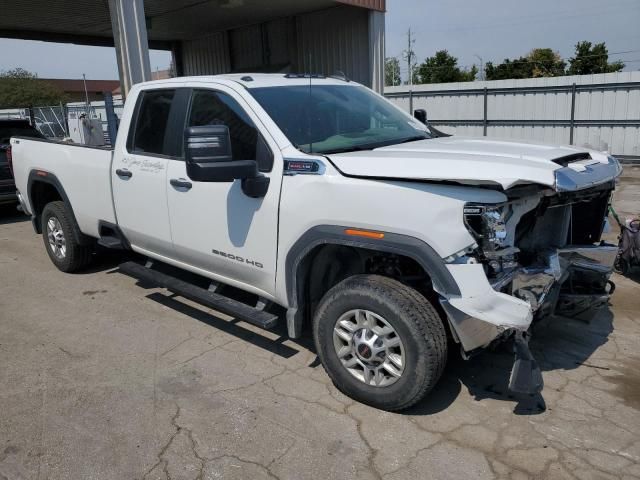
(572, 281)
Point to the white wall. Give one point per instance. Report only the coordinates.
(622, 104)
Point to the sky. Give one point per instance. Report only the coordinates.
(491, 29)
(499, 29)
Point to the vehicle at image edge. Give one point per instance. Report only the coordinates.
(324, 204)
(10, 128)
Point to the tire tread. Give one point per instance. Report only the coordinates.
(78, 256)
(418, 312)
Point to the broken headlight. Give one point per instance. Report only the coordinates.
(488, 225)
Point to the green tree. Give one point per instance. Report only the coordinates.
(539, 62)
(591, 58)
(20, 88)
(443, 68)
(546, 63)
(392, 71)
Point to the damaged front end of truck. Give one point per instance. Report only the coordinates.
(539, 255)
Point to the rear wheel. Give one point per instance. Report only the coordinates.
(59, 233)
(381, 342)
(621, 265)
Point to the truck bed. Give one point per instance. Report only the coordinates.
(82, 171)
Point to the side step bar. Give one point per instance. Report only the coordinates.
(207, 298)
(111, 242)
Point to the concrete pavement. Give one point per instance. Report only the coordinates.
(101, 378)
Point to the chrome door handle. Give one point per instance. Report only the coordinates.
(123, 172)
(180, 183)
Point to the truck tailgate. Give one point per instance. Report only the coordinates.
(84, 173)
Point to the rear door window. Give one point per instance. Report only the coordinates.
(148, 136)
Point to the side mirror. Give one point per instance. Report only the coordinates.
(209, 159)
(421, 115)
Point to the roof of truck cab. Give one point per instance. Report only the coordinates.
(255, 80)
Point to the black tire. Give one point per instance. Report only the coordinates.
(621, 266)
(415, 321)
(76, 256)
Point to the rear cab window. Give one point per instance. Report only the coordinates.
(151, 119)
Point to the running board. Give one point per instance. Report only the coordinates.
(111, 243)
(218, 302)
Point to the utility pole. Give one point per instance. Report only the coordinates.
(409, 54)
(86, 94)
(481, 65)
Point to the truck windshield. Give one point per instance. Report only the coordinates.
(337, 118)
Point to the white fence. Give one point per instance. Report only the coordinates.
(597, 111)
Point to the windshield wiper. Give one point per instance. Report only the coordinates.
(347, 149)
(411, 139)
(371, 146)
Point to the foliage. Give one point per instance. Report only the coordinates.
(391, 71)
(20, 88)
(540, 62)
(591, 58)
(443, 68)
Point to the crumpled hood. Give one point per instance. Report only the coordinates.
(467, 160)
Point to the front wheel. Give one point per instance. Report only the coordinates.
(381, 342)
(59, 234)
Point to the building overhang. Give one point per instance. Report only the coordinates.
(88, 22)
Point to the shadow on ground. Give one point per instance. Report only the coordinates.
(634, 274)
(559, 344)
(9, 214)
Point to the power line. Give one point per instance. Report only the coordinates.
(523, 62)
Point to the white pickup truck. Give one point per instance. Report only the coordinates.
(334, 209)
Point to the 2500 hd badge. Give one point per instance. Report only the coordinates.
(237, 258)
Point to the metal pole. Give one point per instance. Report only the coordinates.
(481, 65)
(112, 119)
(65, 119)
(86, 93)
(130, 38)
(409, 55)
(573, 113)
(410, 102)
(484, 120)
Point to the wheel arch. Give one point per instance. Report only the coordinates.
(44, 187)
(302, 254)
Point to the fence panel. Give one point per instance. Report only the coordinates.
(596, 111)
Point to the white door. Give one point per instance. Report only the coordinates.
(139, 175)
(215, 226)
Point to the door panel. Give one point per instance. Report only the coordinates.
(215, 226)
(139, 172)
(141, 201)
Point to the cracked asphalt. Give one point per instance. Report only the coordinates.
(102, 378)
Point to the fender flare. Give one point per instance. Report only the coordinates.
(404, 245)
(39, 175)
